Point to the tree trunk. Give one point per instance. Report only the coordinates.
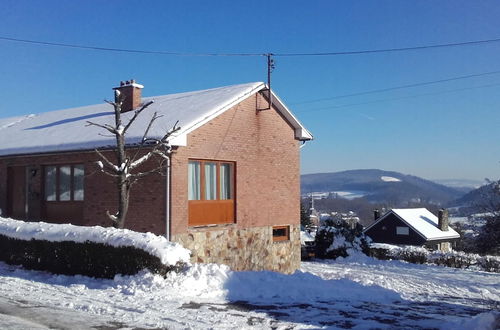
(122, 181)
(123, 201)
(122, 170)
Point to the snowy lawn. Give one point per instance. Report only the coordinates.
(352, 293)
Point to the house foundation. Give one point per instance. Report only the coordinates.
(243, 248)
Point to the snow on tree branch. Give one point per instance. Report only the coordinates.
(122, 169)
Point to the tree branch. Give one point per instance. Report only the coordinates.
(136, 177)
(136, 113)
(107, 127)
(155, 116)
(109, 164)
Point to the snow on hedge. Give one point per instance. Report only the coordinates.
(168, 252)
(457, 259)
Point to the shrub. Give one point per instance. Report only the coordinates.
(87, 258)
(419, 255)
(335, 240)
(490, 264)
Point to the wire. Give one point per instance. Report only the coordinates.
(395, 98)
(397, 87)
(45, 43)
(388, 50)
(172, 53)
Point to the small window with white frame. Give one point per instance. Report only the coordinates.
(402, 230)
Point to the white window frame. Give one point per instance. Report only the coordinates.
(402, 230)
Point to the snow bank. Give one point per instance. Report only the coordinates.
(325, 295)
(265, 287)
(168, 252)
(218, 282)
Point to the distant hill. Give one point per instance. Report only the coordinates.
(380, 186)
(464, 185)
(475, 199)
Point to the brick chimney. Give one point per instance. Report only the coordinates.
(376, 214)
(131, 93)
(443, 219)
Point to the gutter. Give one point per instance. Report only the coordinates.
(167, 198)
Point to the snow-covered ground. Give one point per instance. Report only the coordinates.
(389, 179)
(357, 292)
(351, 194)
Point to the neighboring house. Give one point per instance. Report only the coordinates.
(350, 218)
(230, 194)
(413, 227)
(308, 244)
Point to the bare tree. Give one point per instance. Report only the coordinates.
(125, 171)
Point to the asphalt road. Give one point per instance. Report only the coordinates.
(19, 315)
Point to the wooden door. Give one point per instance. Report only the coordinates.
(16, 192)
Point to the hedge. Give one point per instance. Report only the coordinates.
(455, 259)
(87, 258)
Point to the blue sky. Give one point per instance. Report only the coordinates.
(446, 130)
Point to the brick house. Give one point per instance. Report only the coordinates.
(230, 193)
(416, 226)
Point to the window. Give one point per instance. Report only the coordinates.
(402, 231)
(210, 180)
(210, 192)
(281, 233)
(64, 183)
(194, 180)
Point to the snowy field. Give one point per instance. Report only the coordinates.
(357, 292)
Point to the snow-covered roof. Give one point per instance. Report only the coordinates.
(66, 130)
(306, 237)
(425, 223)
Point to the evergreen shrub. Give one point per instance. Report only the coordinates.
(455, 259)
(335, 240)
(88, 258)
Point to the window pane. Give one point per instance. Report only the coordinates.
(194, 180)
(50, 183)
(78, 173)
(281, 233)
(210, 181)
(64, 183)
(402, 231)
(225, 181)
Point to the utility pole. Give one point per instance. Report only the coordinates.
(270, 68)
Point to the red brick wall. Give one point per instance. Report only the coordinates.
(147, 207)
(267, 173)
(267, 165)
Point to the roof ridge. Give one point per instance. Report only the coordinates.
(255, 83)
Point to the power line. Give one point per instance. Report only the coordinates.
(388, 50)
(174, 53)
(395, 98)
(139, 51)
(397, 87)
